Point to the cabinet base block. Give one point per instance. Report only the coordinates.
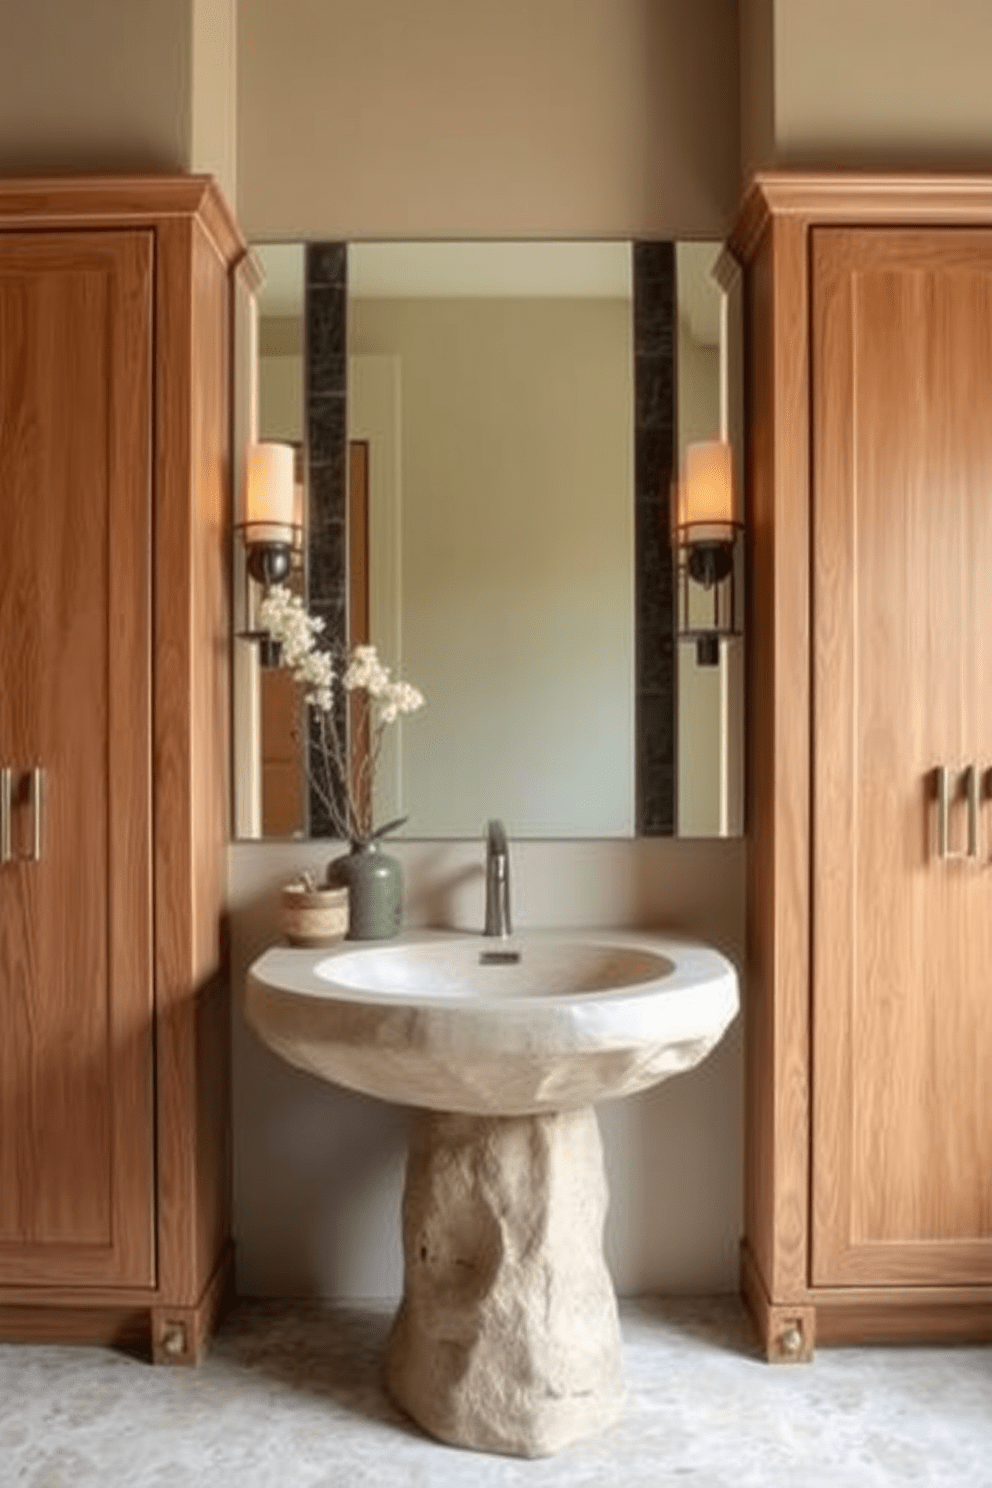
(786, 1331)
(935, 1315)
(127, 1328)
(138, 1323)
(180, 1335)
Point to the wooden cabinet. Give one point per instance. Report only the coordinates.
(869, 992)
(76, 1053)
(115, 416)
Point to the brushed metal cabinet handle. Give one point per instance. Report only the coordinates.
(35, 788)
(6, 791)
(943, 813)
(971, 779)
(972, 787)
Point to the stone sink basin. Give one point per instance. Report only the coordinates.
(507, 1338)
(458, 1022)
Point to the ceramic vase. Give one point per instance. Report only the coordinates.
(374, 882)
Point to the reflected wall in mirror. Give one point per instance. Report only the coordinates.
(489, 435)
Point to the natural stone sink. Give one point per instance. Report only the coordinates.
(507, 1337)
(451, 1023)
(467, 966)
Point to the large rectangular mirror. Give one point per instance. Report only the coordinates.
(488, 434)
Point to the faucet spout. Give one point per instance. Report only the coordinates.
(497, 881)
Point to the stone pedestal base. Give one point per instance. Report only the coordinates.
(507, 1338)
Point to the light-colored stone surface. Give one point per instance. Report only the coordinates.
(290, 1396)
(507, 1338)
(579, 1017)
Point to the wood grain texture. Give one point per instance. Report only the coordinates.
(119, 1316)
(759, 1048)
(123, 201)
(902, 1149)
(786, 1333)
(178, 650)
(112, 1294)
(902, 1137)
(792, 762)
(280, 731)
(776, 1006)
(923, 1315)
(834, 197)
(174, 887)
(855, 1315)
(180, 1335)
(211, 704)
(249, 272)
(76, 1138)
(113, 1327)
(174, 1335)
(192, 758)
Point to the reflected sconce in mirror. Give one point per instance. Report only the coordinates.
(708, 540)
(271, 529)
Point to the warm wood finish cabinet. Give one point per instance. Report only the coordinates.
(76, 1055)
(115, 415)
(869, 1000)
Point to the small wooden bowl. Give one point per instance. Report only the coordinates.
(313, 917)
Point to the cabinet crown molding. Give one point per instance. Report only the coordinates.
(859, 197)
(124, 201)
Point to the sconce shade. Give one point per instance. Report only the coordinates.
(706, 491)
(707, 542)
(269, 504)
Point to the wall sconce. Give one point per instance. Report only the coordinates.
(271, 527)
(708, 537)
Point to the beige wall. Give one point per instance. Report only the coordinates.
(214, 92)
(100, 85)
(108, 85)
(698, 390)
(516, 560)
(463, 117)
(757, 83)
(280, 397)
(902, 83)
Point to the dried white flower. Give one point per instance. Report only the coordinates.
(396, 698)
(365, 670)
(347, 799)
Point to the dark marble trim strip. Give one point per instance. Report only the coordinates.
(655, 442)
(325, 392)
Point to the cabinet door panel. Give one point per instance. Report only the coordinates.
(76, 1134)
(902, 538)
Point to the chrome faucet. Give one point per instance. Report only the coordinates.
(497, 881)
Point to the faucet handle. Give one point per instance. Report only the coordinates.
(496, 836)
(497, 880)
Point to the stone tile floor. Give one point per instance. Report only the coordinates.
(290, 1397)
